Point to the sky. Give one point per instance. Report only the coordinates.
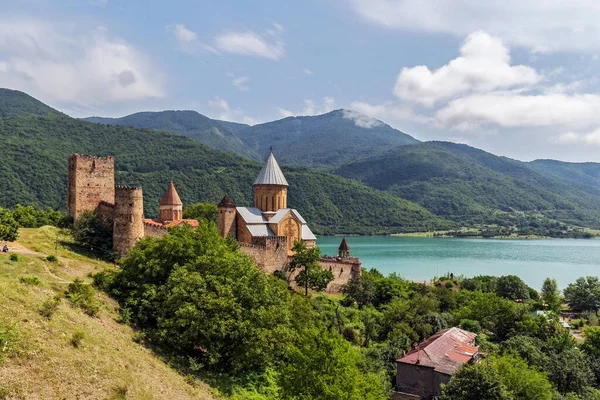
(518, 78)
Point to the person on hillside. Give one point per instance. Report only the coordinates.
(5, 249)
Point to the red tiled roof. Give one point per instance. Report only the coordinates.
(445, 351)
(157, 222)
(171, 198)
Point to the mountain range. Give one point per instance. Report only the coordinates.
(348, 173)
(36, 141)
(320, 141)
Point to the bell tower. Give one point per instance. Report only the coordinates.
(171, 207)
(270, 187)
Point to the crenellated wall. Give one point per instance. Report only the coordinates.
(268, 252)
(156, 231)
(343, 270)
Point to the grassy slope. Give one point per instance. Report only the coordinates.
(43, 364)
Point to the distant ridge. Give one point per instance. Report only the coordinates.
(319, 141)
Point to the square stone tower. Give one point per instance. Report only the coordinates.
(91, 181)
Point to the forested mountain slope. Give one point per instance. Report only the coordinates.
(33, 166)
(466, 184)
(318, 141)
(587, 173)
(216, 134)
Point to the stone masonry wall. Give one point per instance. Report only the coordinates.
(91, 181)
(155, 230)
(128, 225)
(343, 270)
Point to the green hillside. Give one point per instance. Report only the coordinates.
(319, 141)
(324, 140)
(216, 134)
(15, 104)
(33, 167)
(587, 174)
(466, 184)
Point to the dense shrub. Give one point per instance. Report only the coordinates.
(30, 280)
(82, 296)
(49, 307)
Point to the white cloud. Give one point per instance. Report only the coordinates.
(362, 120)
(284, 113)
(240, 83)
(307, 71)
(268, 45)
(226, 113)
(512, 110)
(541, 25)
(183, 34)
(388, 111)
(484, 65)
(591, 138)
(187, 40)
(73, 66)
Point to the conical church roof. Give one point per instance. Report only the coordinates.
(227, 202)
(271, 174)
(171, 198)
(344, 245)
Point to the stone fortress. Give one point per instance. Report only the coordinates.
(266, 232)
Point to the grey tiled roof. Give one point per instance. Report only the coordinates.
(260, 230)
(282, 212)
(270, 174)
(251, 215)
(258, 225)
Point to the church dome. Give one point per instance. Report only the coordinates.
(271, 174)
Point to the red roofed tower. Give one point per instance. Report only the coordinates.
(171, 207)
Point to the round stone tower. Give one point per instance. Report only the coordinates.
(227, 217)
(270, 187)
(171, 207)
(128, 225)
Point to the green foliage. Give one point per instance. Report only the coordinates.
(14, 257)
(83, 296)
(551, 295)
(30, 217)
(312, 275)
(52, 258)
(521, 380)
(9, 228)
(470, 325)
(476, 382)
(512, 287)
(93, 234)
(584, 294)
(9, 336)
(591, 343)
(207, 211)
(77, 338)
(35, 155)
(473, 187)
(192, 291)
(31, 280)
(49, 307)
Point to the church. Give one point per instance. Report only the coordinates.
(268, 231)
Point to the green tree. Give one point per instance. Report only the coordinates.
(198, 211)
(476, 382)
(512, 287)
(551, 294)
(311, 275)
(95, 235)
(569, 371)
(324, 366)
(584, 294)
(591, 343)
(190, 290)
(361, 289)
(9, 228)
(521, 380)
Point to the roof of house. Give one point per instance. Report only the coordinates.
(344, 245)
(260, 226)
(446, 351)
(227, 202)
(171, 198)
(157, 222)
(270, 174)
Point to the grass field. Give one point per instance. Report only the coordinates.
(71, 355)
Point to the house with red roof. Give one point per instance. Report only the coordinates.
(421, 372)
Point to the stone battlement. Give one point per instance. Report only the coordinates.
(122, 187)
(90, 158)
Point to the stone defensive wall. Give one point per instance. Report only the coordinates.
(155, 230)
(343, 270)
(268, 252)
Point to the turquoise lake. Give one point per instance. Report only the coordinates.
(422, 258)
